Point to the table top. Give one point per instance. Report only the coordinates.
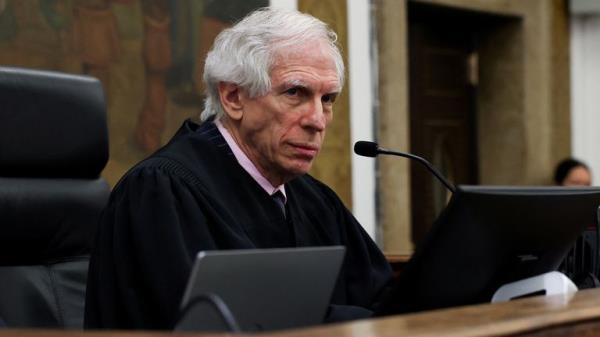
(529, 316)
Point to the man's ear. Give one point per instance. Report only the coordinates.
(230, 96)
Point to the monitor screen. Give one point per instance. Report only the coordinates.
(489, 236)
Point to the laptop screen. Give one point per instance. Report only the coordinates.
(264, 289)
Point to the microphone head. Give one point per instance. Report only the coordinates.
(367, 149)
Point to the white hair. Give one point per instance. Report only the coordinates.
(245, 53)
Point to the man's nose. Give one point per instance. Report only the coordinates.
(314, 117)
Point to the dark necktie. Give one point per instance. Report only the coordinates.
(280, 201)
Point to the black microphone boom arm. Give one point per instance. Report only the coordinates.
(371, 149)
(424, 162)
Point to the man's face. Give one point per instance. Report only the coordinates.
(282, 131)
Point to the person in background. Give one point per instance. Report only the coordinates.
(572, 172)
(238, 180)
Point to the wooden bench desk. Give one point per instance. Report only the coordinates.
(578, 315)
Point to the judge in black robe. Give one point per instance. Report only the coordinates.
(193, 195)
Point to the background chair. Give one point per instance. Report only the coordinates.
(582, 264)
(53, 146)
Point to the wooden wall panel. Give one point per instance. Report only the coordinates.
(333, 164)
(523, 101)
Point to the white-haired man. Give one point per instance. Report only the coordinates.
(237, 180)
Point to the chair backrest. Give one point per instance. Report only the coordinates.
(582, 262)
(53, 146)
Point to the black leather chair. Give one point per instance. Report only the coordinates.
(53, 146)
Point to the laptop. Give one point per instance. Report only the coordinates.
(260, 289)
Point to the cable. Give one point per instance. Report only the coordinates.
(218, 304)
(597, 252)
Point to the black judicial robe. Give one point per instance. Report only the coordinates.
(192, 195)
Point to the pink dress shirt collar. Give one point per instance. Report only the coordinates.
(248, 165)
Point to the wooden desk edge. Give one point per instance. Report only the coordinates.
(531, 316)
(514, 318)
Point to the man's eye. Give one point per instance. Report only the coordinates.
(292, 91)
(329, 98)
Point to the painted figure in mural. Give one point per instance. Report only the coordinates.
(96, 38)
(156, 54)
(238, 180)
(159, 37)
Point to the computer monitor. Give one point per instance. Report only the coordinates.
(489, 236)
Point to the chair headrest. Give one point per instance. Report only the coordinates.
(51, 125)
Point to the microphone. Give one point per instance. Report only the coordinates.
(371, 149)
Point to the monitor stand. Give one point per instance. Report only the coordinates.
(551, 283)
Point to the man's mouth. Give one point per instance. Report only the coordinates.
(305, 149)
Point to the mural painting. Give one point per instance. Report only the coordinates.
(148, 54)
